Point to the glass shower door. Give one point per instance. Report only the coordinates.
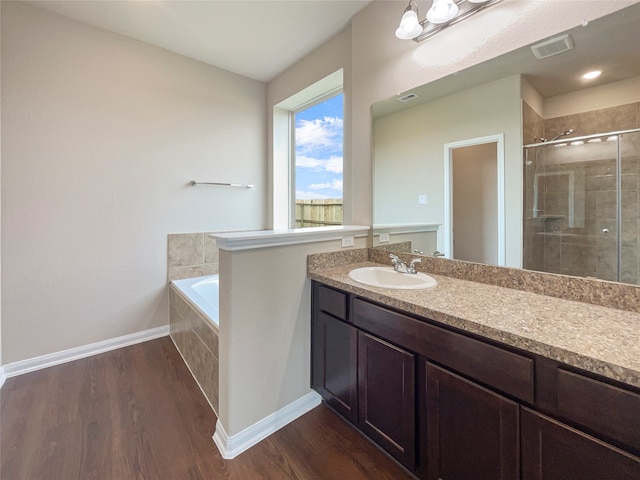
(629, 185)
(573, 221)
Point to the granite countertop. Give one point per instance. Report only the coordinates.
(601, 340)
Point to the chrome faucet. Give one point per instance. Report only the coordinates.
(400, 266)
(437, 254)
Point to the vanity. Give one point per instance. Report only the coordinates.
(476, 381)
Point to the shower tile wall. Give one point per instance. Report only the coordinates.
(584, 249)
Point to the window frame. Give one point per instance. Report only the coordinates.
(334, 92)
(283, 146)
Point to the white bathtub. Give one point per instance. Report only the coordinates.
(203, 293)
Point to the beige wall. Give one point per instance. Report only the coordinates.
(409, 155)
(329, 58)
(475, 203)
(265, 330)
(100, 136)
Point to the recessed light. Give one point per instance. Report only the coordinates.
(591, 75)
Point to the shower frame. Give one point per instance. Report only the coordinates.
(585, 139)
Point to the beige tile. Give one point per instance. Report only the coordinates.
(185, 249)
(211, 268)
(210, 250)
(205, 331)
(179, 273)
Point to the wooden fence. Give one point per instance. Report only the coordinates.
(318, 213)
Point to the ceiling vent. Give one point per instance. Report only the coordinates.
(552, 47)
(407, 97)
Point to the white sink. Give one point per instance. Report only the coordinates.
(387, 277)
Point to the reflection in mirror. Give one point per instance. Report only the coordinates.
(569, 207)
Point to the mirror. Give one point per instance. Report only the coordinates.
(527, 101)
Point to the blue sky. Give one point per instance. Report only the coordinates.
(319, 150)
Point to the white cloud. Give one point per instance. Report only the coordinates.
(332, 164)
(319, 133)
(335, 184)
(302, 195)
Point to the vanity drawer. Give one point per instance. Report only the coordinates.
(332, 302)
(614, 412)
(501, 369)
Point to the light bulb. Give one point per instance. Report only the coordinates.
(409, 25)
(442, 11)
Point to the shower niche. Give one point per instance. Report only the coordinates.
(582, 206)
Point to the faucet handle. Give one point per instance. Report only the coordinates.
(412, 265)
(396, 262)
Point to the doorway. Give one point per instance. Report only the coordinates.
(474, 197)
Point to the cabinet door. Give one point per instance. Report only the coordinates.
(386, 383)
(472, 432)
(334, 364)
(554, 451)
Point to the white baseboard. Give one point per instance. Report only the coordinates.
(2, 376)
(56, 358)
(232, 446)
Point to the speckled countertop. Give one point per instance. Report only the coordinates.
(598, 339)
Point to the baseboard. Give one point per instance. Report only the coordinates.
(232, 446)
(2, 376)
(56, 358)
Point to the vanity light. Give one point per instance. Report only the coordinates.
(441, 14)
(591, 75)
(577, 142)
(409, 24)
(594, 140)
(442, 11)
(612, 138)
(560, 145)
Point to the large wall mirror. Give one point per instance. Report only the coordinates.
(519, 161)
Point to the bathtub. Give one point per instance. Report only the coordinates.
(203, 293)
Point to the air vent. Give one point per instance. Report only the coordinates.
(407, 97)
(552, 47)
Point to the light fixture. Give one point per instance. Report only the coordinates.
(409, 24)
(591, 75)
(441, 14)
(577, 142)
(442, 11)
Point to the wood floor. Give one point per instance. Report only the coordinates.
(136, 413)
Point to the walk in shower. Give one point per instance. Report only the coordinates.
(582, 203)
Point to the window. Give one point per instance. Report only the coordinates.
(307, 156)
(317, 163)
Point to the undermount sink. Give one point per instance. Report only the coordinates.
(387, 277)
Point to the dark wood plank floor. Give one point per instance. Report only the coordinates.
(136, 413)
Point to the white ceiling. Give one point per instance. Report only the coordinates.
(258, 39)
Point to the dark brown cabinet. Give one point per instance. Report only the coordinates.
(472, 432)
(334, 375)
(554, 451)
(368, 381)
(450, 405)
(386, 386)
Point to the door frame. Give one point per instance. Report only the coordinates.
(498, 139)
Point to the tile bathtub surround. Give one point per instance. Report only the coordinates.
(597, 292)
(191, 255)
(197, 341)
